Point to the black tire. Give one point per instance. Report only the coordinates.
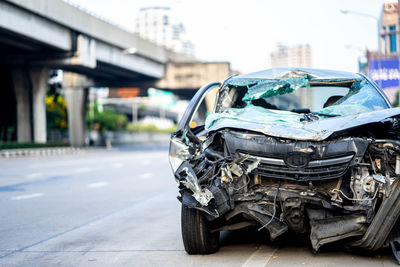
(196, 235)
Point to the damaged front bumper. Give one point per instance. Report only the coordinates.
(344, 189)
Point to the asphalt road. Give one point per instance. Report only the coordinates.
(119, 208)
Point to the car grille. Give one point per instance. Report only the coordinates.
(316, 170)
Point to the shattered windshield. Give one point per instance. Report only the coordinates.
(289, 99)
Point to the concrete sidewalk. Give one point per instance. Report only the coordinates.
(58, 151)
(35, 152)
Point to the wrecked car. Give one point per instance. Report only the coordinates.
(290, 150)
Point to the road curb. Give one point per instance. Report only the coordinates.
(37, 152)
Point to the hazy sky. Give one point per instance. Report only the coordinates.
(244, 32)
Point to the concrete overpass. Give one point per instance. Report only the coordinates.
(37, 35)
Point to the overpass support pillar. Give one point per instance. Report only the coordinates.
(30, 88)
(76, 94)
(40, 79)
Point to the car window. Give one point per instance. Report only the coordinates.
(204, 109)
(365, 95)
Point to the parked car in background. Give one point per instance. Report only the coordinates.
(290, 150)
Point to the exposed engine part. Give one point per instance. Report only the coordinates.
(362, 185)
(335, 192)
(293, 210)
(274, 213)
(379, 178)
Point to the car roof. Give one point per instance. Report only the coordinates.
(277, 73)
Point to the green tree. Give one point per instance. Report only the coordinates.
(106, 119)
(56, 112)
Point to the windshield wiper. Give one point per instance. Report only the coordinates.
(313, 116)
(309, 117)
(324, 114)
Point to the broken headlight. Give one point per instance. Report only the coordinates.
(178, 153)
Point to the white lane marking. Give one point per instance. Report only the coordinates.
(27, 196)
(260, 257)
(97, 185)
(72, 171)
(34, 175)
(117, 165)
(146, 175)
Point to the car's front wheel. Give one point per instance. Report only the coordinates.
(196, 234)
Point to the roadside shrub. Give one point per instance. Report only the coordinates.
(56, 112)
(16, 145)
(107, 119)
(137, 127)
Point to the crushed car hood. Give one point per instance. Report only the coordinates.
(289, 125)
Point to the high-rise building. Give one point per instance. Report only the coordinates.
(389, 29)
(284, 56)
(383, 67)
(161, 26)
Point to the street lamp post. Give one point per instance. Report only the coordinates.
(363, 52)
(346, 11)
